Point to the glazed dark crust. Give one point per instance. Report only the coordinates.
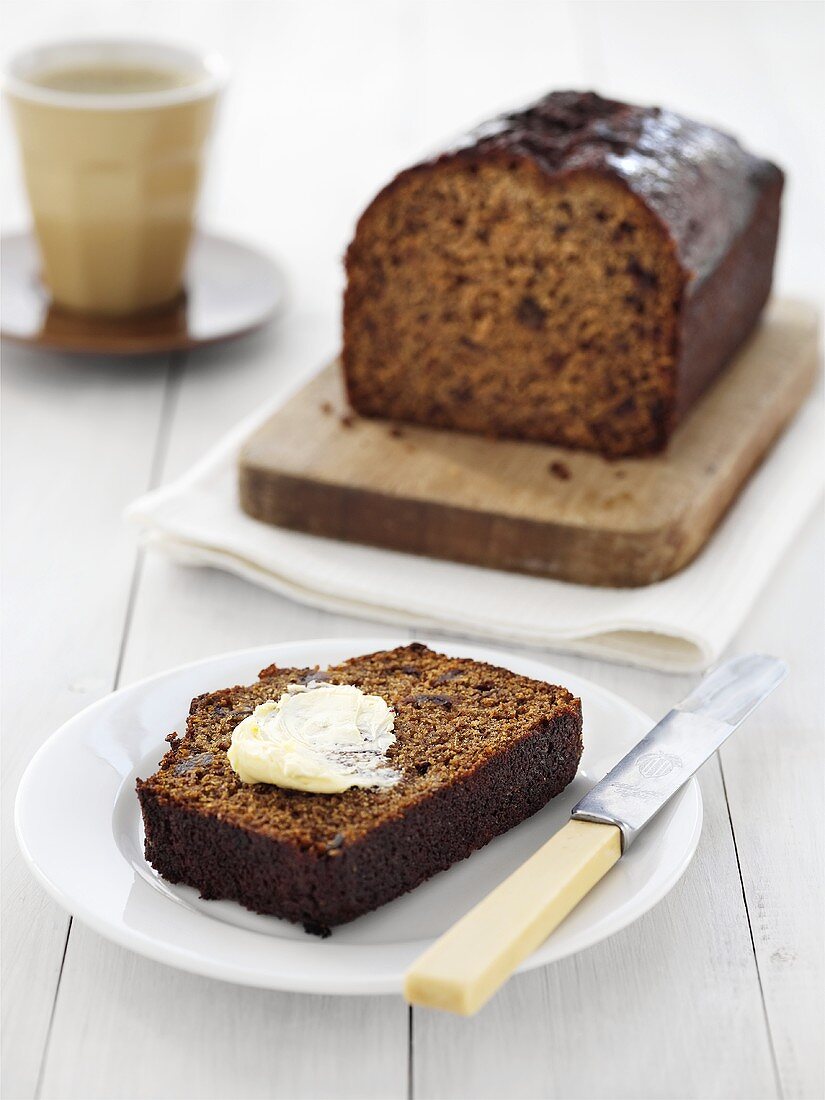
(721, 310)
(701, 184)
(323, 860)
(708, 216)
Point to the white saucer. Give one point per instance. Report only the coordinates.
(79, 827)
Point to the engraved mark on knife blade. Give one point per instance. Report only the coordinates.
(656, 765)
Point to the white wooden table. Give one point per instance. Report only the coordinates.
(715, 993)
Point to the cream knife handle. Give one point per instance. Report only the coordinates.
(465, 967)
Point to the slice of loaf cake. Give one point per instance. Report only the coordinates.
(478, 749)
(576, 272)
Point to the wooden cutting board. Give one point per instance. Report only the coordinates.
(530, 507)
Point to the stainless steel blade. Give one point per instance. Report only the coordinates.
(663, 761)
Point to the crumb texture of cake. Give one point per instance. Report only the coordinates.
(576, 272)
(479, 749)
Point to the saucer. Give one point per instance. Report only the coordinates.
(230, 290)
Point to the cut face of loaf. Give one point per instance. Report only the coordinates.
(577, 275)
(495, 301)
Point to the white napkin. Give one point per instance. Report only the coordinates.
(678, 625)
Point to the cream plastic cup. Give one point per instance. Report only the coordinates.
(113, 177)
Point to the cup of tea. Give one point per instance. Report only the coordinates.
(113, 135)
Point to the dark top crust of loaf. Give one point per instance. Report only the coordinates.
(479, 749)
(699, 181)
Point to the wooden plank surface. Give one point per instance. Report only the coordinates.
(713, 993)
(67, 570)
(316, 467)
(773, 775)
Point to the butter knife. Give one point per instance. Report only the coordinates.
(464, 968)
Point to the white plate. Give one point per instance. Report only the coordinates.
(79, 827)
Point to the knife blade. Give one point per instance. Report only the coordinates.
(463, 968)
(662, 762)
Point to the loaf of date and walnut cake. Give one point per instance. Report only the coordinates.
(577, 272)
(319, 795)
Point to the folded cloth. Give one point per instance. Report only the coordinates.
(677, 625)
